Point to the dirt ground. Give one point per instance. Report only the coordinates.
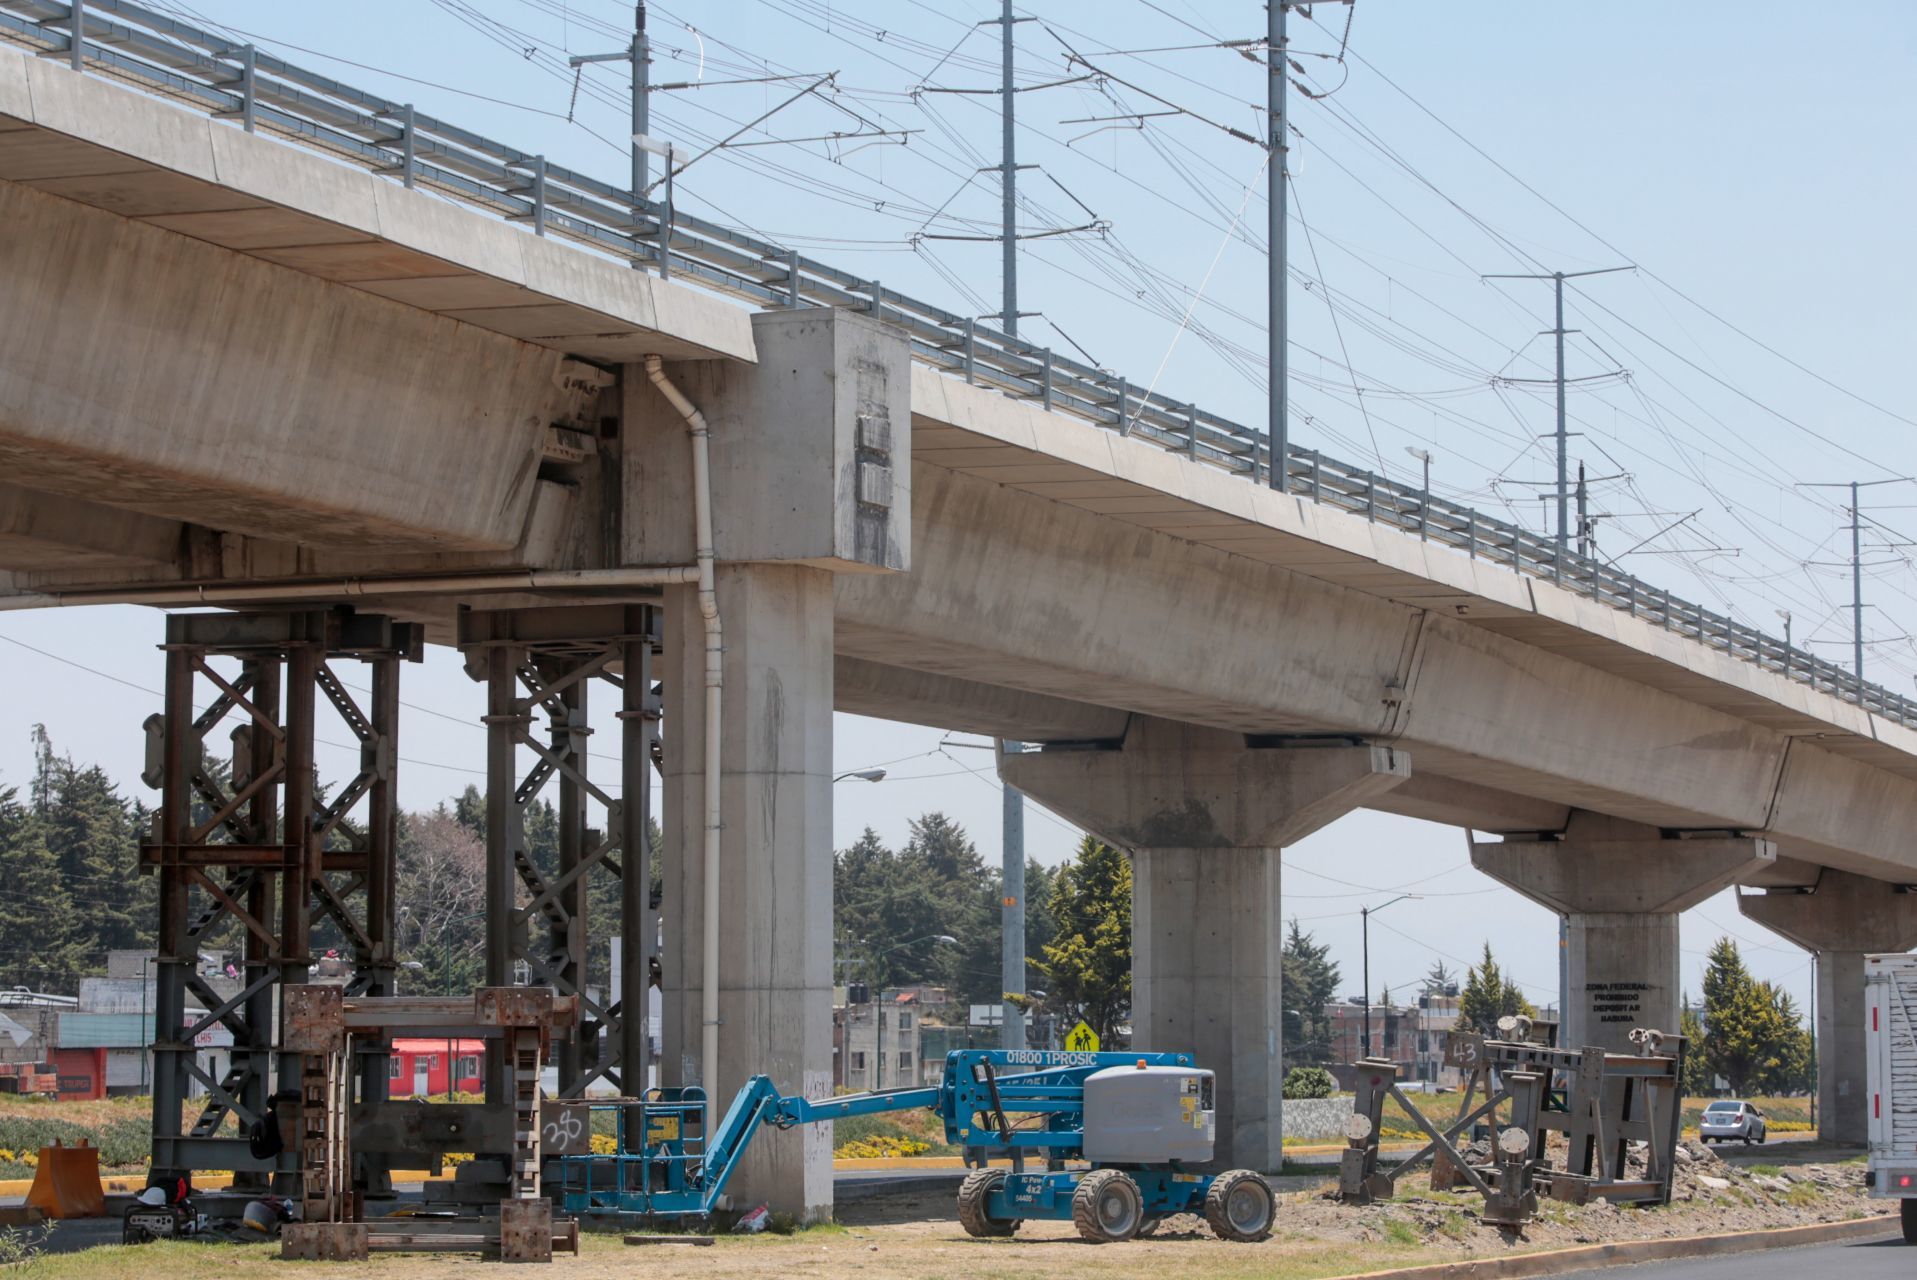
(914, 1234)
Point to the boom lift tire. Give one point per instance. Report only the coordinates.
(1107, 1207)
(1907, 1215)
(1240, 1206)
(974, 1199)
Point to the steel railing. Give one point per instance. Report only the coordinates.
(259, 92)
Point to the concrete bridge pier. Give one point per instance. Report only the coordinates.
(775, 878)
(1841, 918)
(1206, 819)
(1621, 887)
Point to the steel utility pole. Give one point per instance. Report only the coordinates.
(1008, 182)
(639, 53)
(1012, 816)
(1278, 427)
(1012, 917)
(1856, 564)
(1557, 279)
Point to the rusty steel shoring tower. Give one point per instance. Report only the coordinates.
(545, 662)
(265, 849)
(260, 850)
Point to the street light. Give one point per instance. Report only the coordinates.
(1365, 914)
(1424, 501)
(863, 775)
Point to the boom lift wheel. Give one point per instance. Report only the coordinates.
(1239, 1206)
(974, 1199)
(1107, 1207)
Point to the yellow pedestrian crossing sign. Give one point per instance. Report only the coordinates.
(1082, 1039)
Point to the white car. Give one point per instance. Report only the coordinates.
(1725, 1120)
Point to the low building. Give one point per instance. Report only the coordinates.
(875, 1044)
(424, 1067)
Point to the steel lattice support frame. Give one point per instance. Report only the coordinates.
(543, 664)
(264, 850)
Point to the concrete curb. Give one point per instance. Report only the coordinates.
(1625, 1253)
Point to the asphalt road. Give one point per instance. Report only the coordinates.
(1886, 1259)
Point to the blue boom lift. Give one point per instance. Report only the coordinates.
(1139, 1120)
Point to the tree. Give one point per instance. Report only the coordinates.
(1697, 1076)
(1310, 985)
(89, 831)
(42, 942)
(1795, 1070)
(1384, 998)
(1039, 928)
(1440, 981)
(1752, 1037)
(887, 909)
(1088, 963)
(441, 883)
(1489, 995)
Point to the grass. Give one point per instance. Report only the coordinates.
(1401, 1233)
(1772, 1170)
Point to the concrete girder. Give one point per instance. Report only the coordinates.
(194, 383)
(1180, 786)
(994, 711)
(1456, 803)
(1620, 889)
(1840, 918)
(42, 531)
(1014, 590)
(967, 706)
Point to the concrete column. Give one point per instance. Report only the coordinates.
(1620, 887)
(1841, 917)
(1205, 818)
(775, 881)
(1207, 972)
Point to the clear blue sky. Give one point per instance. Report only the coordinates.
(1753, 160)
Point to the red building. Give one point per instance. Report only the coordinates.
(420, 1067)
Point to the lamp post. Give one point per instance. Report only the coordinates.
(863, 775)
(878, 1003)
(1365, 917)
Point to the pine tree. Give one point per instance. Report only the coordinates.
(1489, 996)
(1752, 1035)
(42, 944)
(1310, 985)
(1088, 963)
(92, 835)
(1439, 981)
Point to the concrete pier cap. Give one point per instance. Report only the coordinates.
(1620, 887)
(1205, 817)
(1841, 917)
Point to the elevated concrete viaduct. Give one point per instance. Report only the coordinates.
(233, 372)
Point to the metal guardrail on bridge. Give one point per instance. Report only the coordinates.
(259, 92)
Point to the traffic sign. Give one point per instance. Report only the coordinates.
(1082, 1039)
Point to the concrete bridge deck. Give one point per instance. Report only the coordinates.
(230, 363)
